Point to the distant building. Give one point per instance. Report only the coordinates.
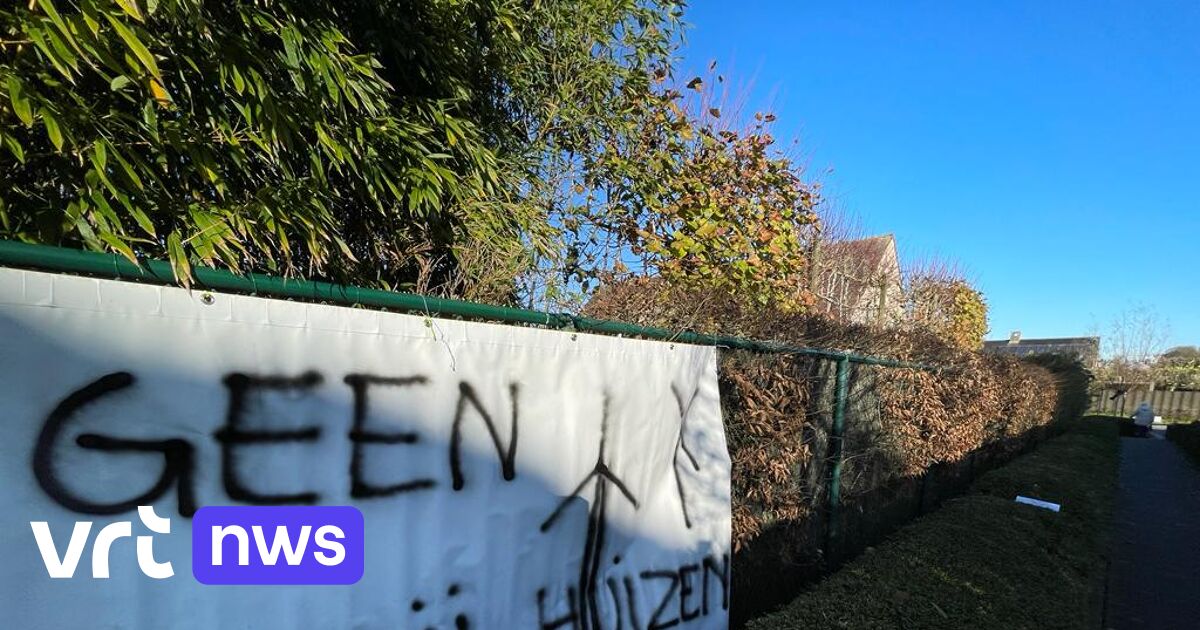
(859, 281)
(1086, 348)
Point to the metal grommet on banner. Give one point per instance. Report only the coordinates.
(207, 298)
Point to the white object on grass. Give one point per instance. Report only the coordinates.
(1053, 507)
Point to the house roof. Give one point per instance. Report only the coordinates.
(857, 263)
(1047, 341)
(866, 254)
(1087, 348)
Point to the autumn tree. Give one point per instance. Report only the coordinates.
(948, 307)
(1134, 340)
(694, 195)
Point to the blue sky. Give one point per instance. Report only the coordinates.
(1052, 148)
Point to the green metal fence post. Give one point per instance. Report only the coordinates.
(836, 438)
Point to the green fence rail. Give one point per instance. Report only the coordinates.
(115, 266)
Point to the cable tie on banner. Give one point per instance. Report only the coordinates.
(428, 318)
(435, 330)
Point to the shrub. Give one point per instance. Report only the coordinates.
(1187, 437)
(951, 308)
(911, 437)
(1074, 383)
(901, 422)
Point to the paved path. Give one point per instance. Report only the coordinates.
(1154, 579)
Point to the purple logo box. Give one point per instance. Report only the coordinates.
(277, 545)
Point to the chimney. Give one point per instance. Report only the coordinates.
(1014, 338)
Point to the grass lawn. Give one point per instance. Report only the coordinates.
(983, 561)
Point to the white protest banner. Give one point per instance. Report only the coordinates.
(507, 477)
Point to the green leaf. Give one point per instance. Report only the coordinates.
(136, 46)
(64, 53)
(106, 217)
(706, 229)
(150, 119)
(120, 246)
(345, 248)
(15, 148)
(130, 7)
(52, 13)
(204, 247)
(99, 155)
(51, 51)
(128, 169)
(119, 82)
(239, 84)
(52, 129)
(20, 103)
(179, 261)
(89, 17)
(76, 218)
